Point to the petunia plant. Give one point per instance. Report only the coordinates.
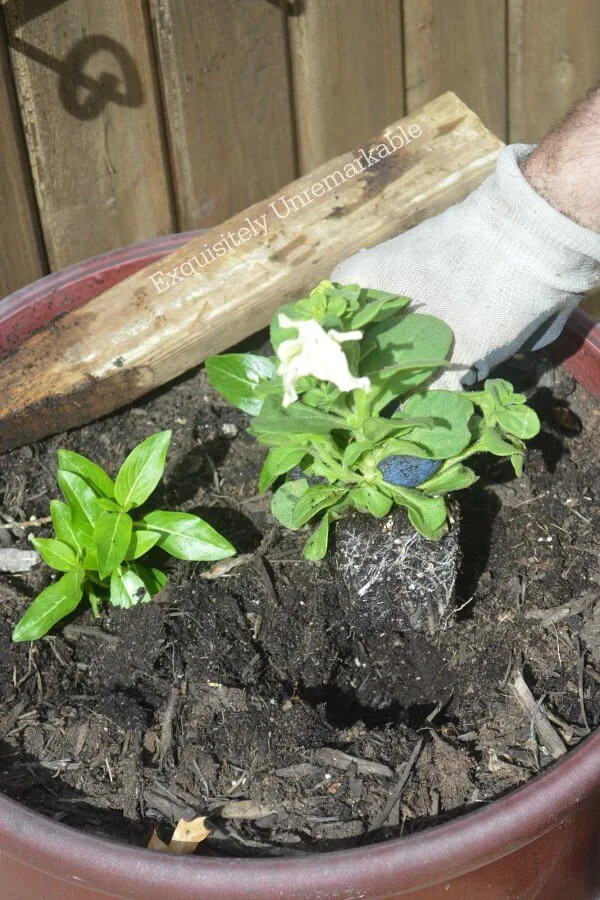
(99, 545)
(346, 412)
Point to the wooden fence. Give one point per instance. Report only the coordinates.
(124, 119)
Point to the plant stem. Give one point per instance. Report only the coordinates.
(339, 471)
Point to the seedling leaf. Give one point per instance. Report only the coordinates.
(53, 604)
(142, 470)
(96, 477)
(187, 537)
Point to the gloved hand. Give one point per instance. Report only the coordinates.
(503, 268)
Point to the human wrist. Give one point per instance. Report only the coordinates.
(565, 168)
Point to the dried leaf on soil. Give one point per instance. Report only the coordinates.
(186, 837)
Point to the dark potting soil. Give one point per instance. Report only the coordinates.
(242, 693)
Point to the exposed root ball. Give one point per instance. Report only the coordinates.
(395, 578)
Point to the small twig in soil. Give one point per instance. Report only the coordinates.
(262, 570)
(327, 756)
(568, 731)
(549, 617)
(245, 809)
(593, 674)
(81, 738)
(31, 523)
(9, 720)
(468, 736)
(508, 670)
(435, 804)
(161, 799)
(225, 566)
(300, 770)
(539, 721)
(166, 728)
(580, 687)
(434, 712)
(395, 795)
(530, 500)
(72, 632)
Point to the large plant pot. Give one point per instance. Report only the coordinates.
(542, 840)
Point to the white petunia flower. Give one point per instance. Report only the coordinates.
(315, 352)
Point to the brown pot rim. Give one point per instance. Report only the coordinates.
(439, 854)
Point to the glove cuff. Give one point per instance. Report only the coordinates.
(563, 254)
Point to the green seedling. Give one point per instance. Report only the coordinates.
(99, 546)
(345, 410)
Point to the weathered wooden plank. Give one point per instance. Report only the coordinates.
(226, 284)
(347, 74)
(553, 60)
(22, 254)
(458, 46)
(226, 90)
(91, 111)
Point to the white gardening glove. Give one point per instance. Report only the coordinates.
(503, 268)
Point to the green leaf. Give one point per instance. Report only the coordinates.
(427, 514)
(392, 347)
(56, 554)
(354, 451)
(63, 525)
(316, 546)
(90, 560)
(367, 498)
(491, 440)
(107, 503)
(142, 470)
(112, 533)
(266, 388)
(295, 419)
(517, 464)
(413, 337)
(154, 579)
(454, 478)
(501, 406)
(285, 499)
(279, 461)
(96, 477)
(400, 447)
(451, 412)
(141, 541)
(53, 604)
(187, 537)
(270, 439)
(127, 589)
(378, 429)
(314, 500)
(379, 310)
(496, 394)
(522, 421)
(82, 501)
(236, 375)
(430, 519)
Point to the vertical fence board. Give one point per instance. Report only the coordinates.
(553, 59)
(347, 74)
(92, 118)
(226, 91)
(22, 256)
(458, 46)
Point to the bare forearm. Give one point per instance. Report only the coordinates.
(565, 168)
